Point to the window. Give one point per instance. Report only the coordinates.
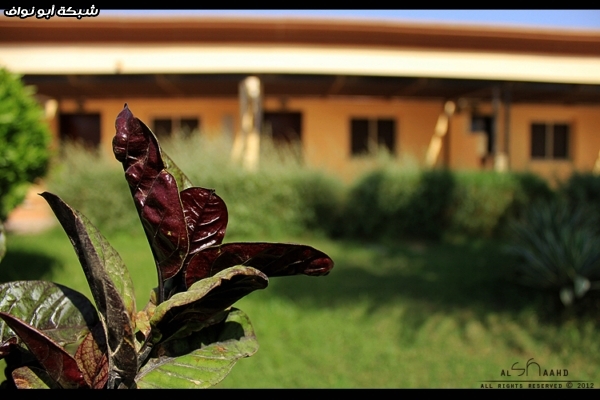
(549, 141)
(368, 134)
(284, 127)
(82, 128)
(483, 124)
(166, 126)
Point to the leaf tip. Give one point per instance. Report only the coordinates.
(49, 197)
(320, 267)
(125, 125)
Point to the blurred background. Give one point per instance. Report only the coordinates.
(446, 160)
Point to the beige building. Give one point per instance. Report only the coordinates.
(460, 96)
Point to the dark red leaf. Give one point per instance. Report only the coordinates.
(205, 216)
(163, 220)
(273, 259)
(179, 220)
(155, 193)
(5, 347)
(59, 364)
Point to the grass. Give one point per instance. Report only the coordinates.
(409, 314)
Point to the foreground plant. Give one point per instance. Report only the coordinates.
(188, 335)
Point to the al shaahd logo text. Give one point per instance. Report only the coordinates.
(531, 375)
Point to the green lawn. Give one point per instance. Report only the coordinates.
(394, 315)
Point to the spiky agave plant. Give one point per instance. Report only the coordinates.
(188, 335)
(558, 248)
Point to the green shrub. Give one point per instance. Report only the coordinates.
(480, 201)
(24, 141)
(428, 214)
(298, 198)
(377, 204)
(532, 188)
(322, 199)
(394, 202)
(582, 189)
(558, 248)
(97, 189)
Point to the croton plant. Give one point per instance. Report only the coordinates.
(188, 335)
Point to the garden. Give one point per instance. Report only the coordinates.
(441, 278)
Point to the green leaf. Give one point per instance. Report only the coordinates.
(63, 314)
(203, 359)
(110, 285)
(33, 378)
(196, 308)
(182, 181)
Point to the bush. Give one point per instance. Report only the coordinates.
(322, 198)
(24, 141)
(393, 202)
(97, 189)
(428, 214)
(582, 189)
(282, 198)
(481, 201)
(377, 204)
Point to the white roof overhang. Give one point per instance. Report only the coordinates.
(64, 59)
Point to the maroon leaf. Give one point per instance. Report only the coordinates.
(205, 216)
(155, 193)
(60, 366)
(5, 347)
(273, 259)
(179, 220)
(164, 222)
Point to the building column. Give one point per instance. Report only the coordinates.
(246, 145)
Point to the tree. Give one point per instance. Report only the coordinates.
(24, 141)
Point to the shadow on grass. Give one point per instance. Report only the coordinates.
(18, 265)
(450, 278)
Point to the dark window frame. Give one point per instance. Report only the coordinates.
(179, 124)
(550, 140)
(368, 133)
(82, 127)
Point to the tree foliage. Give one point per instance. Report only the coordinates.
(24, 141)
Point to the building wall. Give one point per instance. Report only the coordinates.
(325, 122)
(210, 112)
(326, 138)
(584, 138)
